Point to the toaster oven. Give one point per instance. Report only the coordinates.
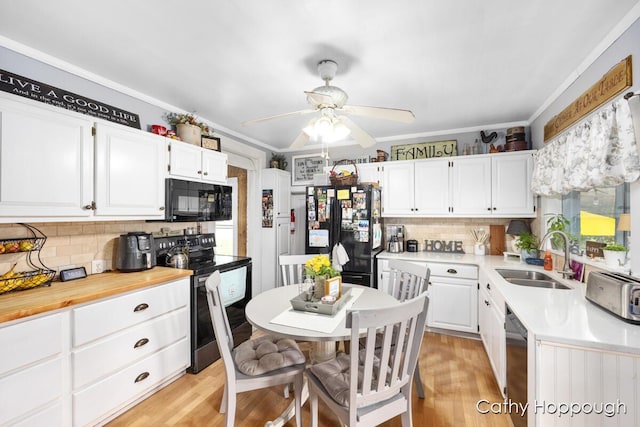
(617, 293)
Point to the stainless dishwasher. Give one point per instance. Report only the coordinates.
(516, 336)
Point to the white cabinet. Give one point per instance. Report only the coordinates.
(32, 372)
(452, 291)
(491, 325)
(453, 295)
(276, 224)
(492, 185)
(416, 188)
(369, 173)
(56, 165)
(129, 172)
(124, 347)
(187, 161)
(46, 162)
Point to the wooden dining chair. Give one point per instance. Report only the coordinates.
(292, 267)
(407, 281)
(372, 385)
(255, 364)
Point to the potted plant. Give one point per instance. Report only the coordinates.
(560, 223)
(615, 255)
(319, 267)
(528, 245)
(188, 128)
(278, 161)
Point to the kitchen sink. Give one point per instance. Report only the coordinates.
(531, 278)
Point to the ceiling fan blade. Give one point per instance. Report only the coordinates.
(359, 135)
(300, 140)
(318, 99)
(279, 116)
(404, 116)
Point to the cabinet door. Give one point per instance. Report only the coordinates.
(453, 305)
(129, 177)
(368, 172)
(397, 195)
(471, 186)
(511, 185)
(283, 196)
(185, 160)
(214, 166)
(431, 187)
(46, 162)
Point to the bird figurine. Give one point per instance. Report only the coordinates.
(488, 138)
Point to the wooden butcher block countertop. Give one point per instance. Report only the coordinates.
(19, 304)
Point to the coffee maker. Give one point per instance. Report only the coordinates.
(395, 238)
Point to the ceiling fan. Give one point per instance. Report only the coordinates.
(329, 101)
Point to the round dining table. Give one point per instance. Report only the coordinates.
(269, 311)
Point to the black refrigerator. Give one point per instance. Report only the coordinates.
(349, 215)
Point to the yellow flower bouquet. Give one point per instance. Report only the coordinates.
(320, 265)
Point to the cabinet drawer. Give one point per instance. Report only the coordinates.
(119, 350)
(494, 295)
(460, 271)
(30, 341)
(110, 394)
(30, 388)
(48, 417)
(99, 319)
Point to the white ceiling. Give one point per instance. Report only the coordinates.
(456, 63)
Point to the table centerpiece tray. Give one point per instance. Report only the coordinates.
(316, 306)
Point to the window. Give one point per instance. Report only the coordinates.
(594, 214)
(226, 231)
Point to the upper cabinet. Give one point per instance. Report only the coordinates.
(492, 185)
(187, 161)
(57, 165)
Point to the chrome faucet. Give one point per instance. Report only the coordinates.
(566, 271)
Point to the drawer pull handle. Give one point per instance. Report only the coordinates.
(488, 286)
(141, 342)
(143, 376)
(452, 271)
(486, 302)
(141, 307)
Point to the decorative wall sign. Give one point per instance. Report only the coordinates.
(424, 150)
(211, 142)
(32, 89)
(594, 249)
(616, 80)
(453, 246)
(304, 167)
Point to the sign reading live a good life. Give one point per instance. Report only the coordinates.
(25, 87)
(615, 81)
(424, 150)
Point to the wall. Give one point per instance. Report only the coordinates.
(76, 244)
(626, 44)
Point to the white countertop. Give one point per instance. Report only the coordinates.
(563, 316)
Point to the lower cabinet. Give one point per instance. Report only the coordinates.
(84, 365)
(452, 291)
(32, 363)
(491, 318)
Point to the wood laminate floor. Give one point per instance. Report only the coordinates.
(455, 372)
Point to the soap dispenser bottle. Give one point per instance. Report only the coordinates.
(548, 261)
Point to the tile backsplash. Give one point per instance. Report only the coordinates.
(76, 244)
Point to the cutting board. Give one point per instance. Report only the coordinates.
(496, 239)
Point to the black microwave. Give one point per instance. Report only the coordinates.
(190, 201)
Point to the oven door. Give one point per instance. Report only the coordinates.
(236, 293)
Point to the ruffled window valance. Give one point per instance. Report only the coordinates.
(600, 151)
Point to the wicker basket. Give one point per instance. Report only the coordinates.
(344, 180)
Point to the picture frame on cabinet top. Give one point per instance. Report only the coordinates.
(211, 142)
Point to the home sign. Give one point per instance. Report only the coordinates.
(452, 246)
(32, 89)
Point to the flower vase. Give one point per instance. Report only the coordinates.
(189, 133)
(318, 289)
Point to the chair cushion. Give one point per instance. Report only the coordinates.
(334, 375)
(265, 354)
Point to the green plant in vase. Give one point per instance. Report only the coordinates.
(528, 245)
(558, 222)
